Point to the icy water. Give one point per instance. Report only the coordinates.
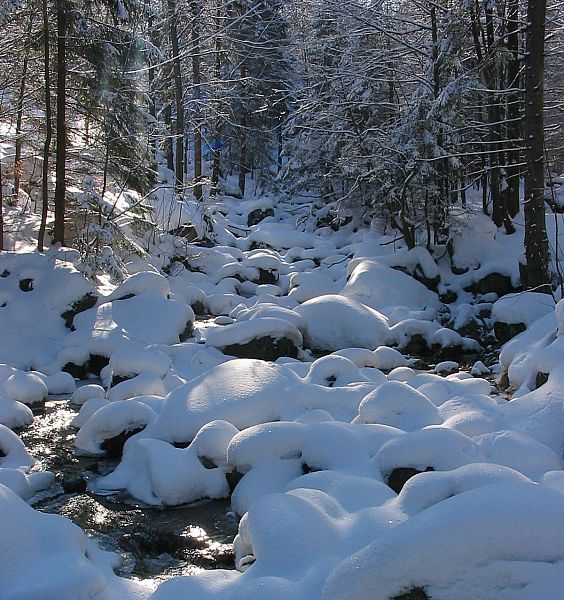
(153, 543)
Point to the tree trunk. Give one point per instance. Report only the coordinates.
(151, 74)
(197, 97)
(243, 156)
(48, 129)
(493, 122)
(216, 150)
(168, 140)
(513, 109)
(19, 118)
(536, 243)
(1, 210)
(243, 147)
(179, 100)
(61, 157)
(216, 159)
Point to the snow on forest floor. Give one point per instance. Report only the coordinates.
(281, 369)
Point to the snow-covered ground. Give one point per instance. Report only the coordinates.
(356, 474)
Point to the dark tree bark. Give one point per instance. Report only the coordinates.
(197, 97)
(513, 109)
(1, 211)
(216, 150)
(48, 129)
(536, 242)
(500, 215)
(151, 75)
(243, 137)
(179, 99)
(168, 141)
(19, 118)
(243, 155)
(61, 157)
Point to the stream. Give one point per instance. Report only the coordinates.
(153, 543)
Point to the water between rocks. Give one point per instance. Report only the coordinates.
(154, 543)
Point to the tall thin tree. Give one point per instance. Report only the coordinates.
(536, 242)
(48, 128)
(61, 133)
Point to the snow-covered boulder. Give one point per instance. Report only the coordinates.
(160, 474)
(265, 338)
(111, 425)
(46, 556)
(243, 392)
(537, 350)
(86, 392)
(125, 364)
(130, 323)
(384, 288)
(13, 453)
(25, 484)
(27, 388)
(515, 312)
(14, 414)
(483, 553)
(35, 292)
(399, 405)
(333, 322)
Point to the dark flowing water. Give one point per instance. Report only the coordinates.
(154, 543)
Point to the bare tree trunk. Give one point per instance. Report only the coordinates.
(280, 150)
(243, 147)
(151, 75)
(493, 122)
(243, 156)
(536, 243)
(48, 129)
(1, 210)
(216, 150)
(61, 157)
(513, 109)
(19, 118)
(197, 97)
(179, 100)
(168, 141)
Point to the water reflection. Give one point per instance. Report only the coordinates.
(154, 543)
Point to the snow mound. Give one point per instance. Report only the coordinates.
(525, 307)
(86, 392)
(14, 414)
(384, 288)
(333, 322)
(337, 371)
(131, 324)
(128, 363)
(254, 329)
(13, 454)
(38, 290)
(486, 551)
(67, 565)
(145, 383)
(25, 485)
(110, 420)
(399, 405)
(160, 474)
(243, 392)
(539, 349)
(27, 388)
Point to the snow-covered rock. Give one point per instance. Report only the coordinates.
(383, 288)
(266, 338)
(333, 322)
